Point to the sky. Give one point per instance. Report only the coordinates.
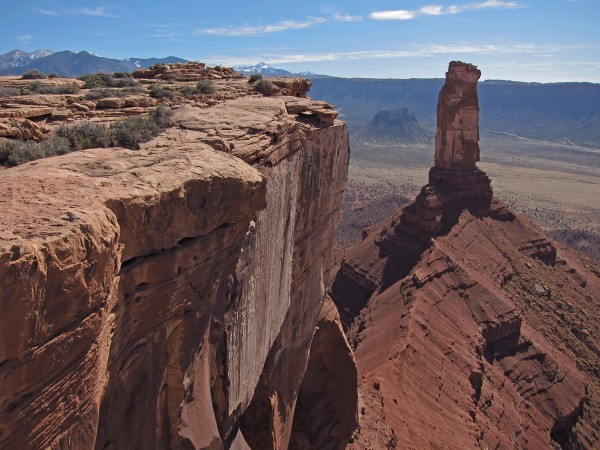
(522, 40)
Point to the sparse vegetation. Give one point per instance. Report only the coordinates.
(38, 87)
(85, 135)
(161, 116)
(13, 153)
(52, 75)
(9, 92)
(205, 87)
(265, 87)
(98, 93)
(33, 75)
(131, 132)
(255, 77)
(159, 92)
(128, 133)
(104, 80)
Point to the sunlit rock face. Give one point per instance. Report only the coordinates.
(457, 136)
(153, 299)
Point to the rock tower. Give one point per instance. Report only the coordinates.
(457, 135)
(455, 182)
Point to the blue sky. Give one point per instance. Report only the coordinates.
(526, 40)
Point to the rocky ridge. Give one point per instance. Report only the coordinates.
(169, 297)
(461, 313)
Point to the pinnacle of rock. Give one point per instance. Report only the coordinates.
(457, 135)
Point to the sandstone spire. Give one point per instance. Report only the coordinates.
(457, 135)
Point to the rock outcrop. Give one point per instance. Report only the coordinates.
(168, 297)
(455, 345)
(457, 135)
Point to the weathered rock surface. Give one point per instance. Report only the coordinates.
(457, 136)
(326, 410)
(166, 297)
(455, 345)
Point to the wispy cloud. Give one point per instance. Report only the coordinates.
(24, 38)
(165, 33)
(429, 50)
(405, 14)
(438, 10)
(492, 4)
(232, 30)
(342, 17)
(100, 11)
(45, 12)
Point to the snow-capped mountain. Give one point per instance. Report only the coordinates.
(267, 71)
(18, 58)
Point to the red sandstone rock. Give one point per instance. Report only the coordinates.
(326, 410)
(457, 136)
(455, 347)
(141, 307)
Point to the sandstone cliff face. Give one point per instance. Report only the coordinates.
(155, 298)
(451, 306)
(457, 135)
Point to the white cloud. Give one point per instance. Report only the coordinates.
(45, 12)
(438, 10)
(165, 33)
(492, 4)
(25, 38)
(429, 50)
(100, 11)
(256, 30)
(339, 17)
(401, 14)
(432, 10)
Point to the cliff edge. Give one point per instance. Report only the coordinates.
(167, 297)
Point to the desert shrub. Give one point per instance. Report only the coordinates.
(255, 77)
(189, 91)
(85, 135)
(124, 82)
(41, 88)
(159, 92)
(9, 92)
(104, 80)
(205, 87)
(169, 77)
(52, 75)
(265, 87)
(218, 68)
(13, 153)
(98, 93)
(33, 75)
(96, 80)
(131, 132)
(128, 133)
(161, 116)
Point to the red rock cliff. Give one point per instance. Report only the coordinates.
(456, 310)
(168, 297)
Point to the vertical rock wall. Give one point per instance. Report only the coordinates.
(457, 135)
(149, 298)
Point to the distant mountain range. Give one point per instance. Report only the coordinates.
(567, 112)
(267, 71)
(73, 64)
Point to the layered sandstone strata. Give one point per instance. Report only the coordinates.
(456, 347)
(168, 297)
